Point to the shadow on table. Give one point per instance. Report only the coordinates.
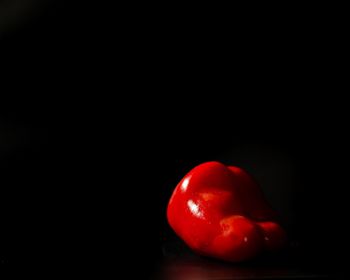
(180, 263)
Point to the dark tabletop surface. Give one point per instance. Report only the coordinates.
(180, 263)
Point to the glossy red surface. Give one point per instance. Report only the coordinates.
(221, 212)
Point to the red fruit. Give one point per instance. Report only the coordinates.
(221, 212)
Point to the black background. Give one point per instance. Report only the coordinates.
(110, 106)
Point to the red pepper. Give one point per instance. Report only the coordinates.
(221, 212)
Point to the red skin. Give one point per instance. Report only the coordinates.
(221, 212)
